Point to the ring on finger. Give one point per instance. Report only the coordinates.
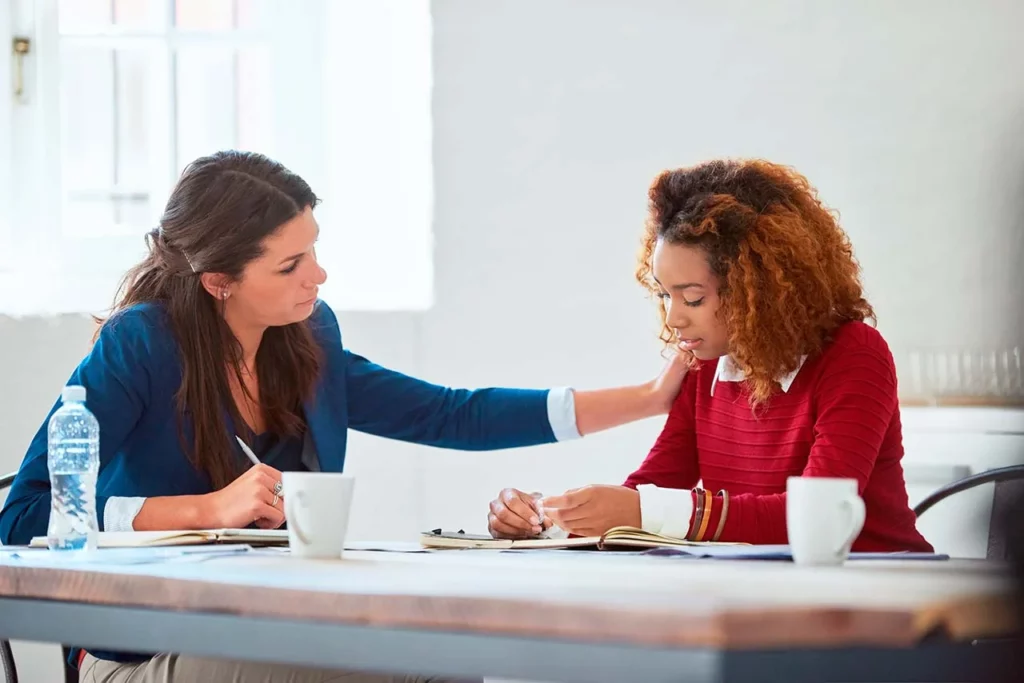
(276, 498)
(278, 488)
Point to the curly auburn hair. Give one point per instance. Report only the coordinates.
(787, 272)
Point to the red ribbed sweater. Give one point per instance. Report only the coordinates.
(840, 418)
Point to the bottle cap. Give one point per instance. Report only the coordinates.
(73, 394)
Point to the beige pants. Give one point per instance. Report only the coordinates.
(179, 669)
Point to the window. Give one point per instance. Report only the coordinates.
(119, 95)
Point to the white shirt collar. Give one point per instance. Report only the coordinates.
(728, 371)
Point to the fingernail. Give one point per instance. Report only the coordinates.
(536, 529)
(534, 520)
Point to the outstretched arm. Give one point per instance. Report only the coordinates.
(394, 405)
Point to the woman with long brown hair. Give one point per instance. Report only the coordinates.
(757, 281)
(219, 334)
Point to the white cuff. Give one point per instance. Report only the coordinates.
(562, 413)
(554, 531)
(665, 511)
(119, 513)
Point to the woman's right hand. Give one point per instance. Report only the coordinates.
(514, 514)
(248, 499)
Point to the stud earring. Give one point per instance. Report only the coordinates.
(224, 294)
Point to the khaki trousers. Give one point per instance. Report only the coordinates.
(182, 669)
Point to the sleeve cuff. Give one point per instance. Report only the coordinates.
(555, 532)
(562, 414)
(665, 511)
(119, 513)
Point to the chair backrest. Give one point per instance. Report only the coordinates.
(1009, 487)
(7, 662)
(1005, 507)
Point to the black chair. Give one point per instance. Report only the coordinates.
(1007, 500)
(1009, 487)
(6, 654)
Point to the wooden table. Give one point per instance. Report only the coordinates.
(558, 615)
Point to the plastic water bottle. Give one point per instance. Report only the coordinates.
(74, 462)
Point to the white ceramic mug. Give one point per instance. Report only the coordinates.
(316, 505)
(823, 518)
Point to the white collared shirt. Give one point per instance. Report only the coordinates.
(668, 511)
(728, 371)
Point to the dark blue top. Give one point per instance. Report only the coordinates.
(134, 370)
(283, 453)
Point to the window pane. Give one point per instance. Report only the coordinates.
(84, 13)
(133, 76)
(101, 214)
(88, 216)
(133, 213)
(205, 15)
(255, 101)
(87, 116)
(255, 14)
(138, 12)
(223, 15)
(205, 92)
(79, 15)
(106, 108)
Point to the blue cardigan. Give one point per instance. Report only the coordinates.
(134, 369)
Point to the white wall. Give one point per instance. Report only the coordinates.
(551, 119)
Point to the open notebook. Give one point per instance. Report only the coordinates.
(620, 536)
(139, 539)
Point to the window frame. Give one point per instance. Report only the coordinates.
(44, 270)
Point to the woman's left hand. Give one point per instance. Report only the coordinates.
(665, 387)
(593, 510)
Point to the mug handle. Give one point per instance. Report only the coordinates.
(855, 505)
(293, 520)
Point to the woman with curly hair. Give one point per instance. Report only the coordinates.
(758, 282)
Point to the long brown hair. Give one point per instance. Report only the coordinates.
(788, 274)
(221, 210)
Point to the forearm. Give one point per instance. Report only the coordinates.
(683, 513)
(24, 518)
(172, 512)
(601, 409)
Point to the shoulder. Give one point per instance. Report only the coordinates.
(859, 358)
(323, 323)
(323, 317)
(138, 318)
(859, 333)
(857, 339)
(697, 382)
(137, 347)
(145, 326)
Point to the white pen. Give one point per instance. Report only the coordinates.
(255, 461)
(248, 452)
(538, 508)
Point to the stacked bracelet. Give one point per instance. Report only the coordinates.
(706, 516)
(725, 513)
(702, 508)
(698, 514)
